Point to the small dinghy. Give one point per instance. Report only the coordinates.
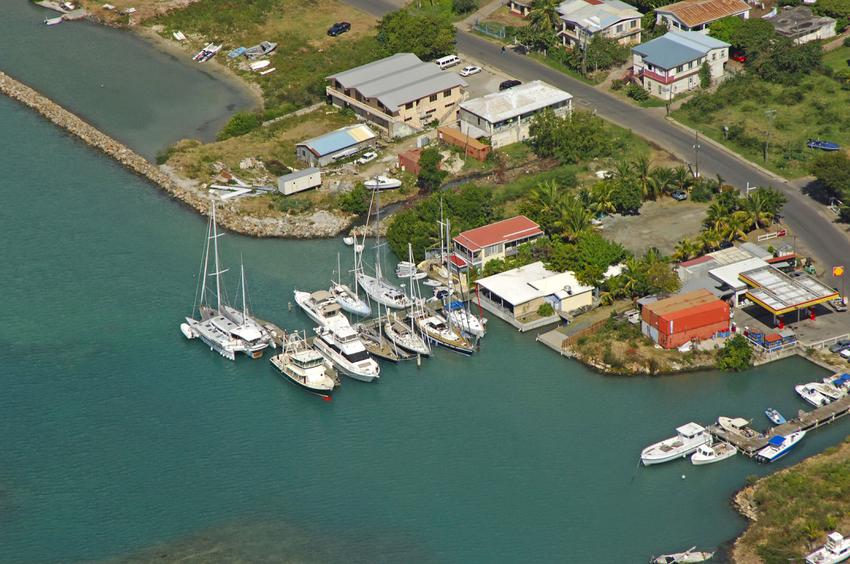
(706, 454)
(775, 417)
(382, 183)
(691, 555)
(348, 240)
(432, 283)
(257, 65)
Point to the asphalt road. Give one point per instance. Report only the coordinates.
(804, 216)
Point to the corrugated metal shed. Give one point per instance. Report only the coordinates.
(338, 140)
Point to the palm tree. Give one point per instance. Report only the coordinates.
(663, 177)
(736, 226)
(754, 208)
(682, 178)
(642, 171)
(544, 16)
(710, 239)
(622, 171)
(547, 196)
(630, 277)
(602, 198)
(573, 219)
(716, 217)
(686, 249)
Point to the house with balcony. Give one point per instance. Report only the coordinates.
(400, 95)
(499, 240)
(581, 20)
(697, 15)
(669, 65)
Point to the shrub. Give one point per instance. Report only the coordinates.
(356, 201)
(165, 154)
(464, 6)
(240, 124)
(545, 310)
(736, 355)
(705, 75)
(846, 42)
(702, 192)
(637, 93)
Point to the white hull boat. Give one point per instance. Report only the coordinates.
(688, 439)
(403, 336)
(468, 323)
(829, 391)
(340, 344)
(382, 183)
(305, 367)
(778, 446)
(688, 556)
(348, 241)
(836, 550)
(212, 337)
(349, 301)
(437, 331)
(381, 291)
(811, 395)
(707, 454)
(320, 306)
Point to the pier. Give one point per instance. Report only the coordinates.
(749, 442)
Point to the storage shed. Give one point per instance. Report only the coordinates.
(674, 321)
(336, 145)
(299, 181)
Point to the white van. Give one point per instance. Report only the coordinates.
(447, 61)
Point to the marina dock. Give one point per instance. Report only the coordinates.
(749, 442)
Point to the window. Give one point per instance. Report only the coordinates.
(619, 28)
(449, 105)
(447, 93)
(680, 68)
(408, 118)
(409, 105)
(633, 24)
(714, 56)
(433, 97)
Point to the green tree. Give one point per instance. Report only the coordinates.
(663, 178)
(601, 198)
(627, 196)
(589, 257)
(574, 219)
(726, 29)
(356, 201)
(838, 9)
(705, 75)
(543, 205)
(430, 176)
(735, 355)
(686, 249)
(429, 35)
(464, 6)
(643, 175)
(544, 16)
(545, 310)
(786, 63)
(577, 136)
(240, 124)
(833, 173)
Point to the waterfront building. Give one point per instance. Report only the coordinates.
(336, 145)
(400, 94)
(499, 240)
(674, 321)
(504, 117)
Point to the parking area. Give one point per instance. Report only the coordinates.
(485, 82)
(661, 224)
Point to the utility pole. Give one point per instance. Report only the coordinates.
(770, 115)
(696, 154)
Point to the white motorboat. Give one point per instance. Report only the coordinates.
(383, 292)
(829, 391)
(467, 322)
(778, 446)
(338, 342)
(688, 438)
(348, 241)
(321, 306)
(811, 395)
(437, 330)
(207, 53)
(692, 555)
(305, 367)
(409, 270)
(349, 300)
(382, 183)
(708, 453)
(432, 283)
(836, 549)
(406, 337)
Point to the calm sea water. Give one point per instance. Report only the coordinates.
(119, 435)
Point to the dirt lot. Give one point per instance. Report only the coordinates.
(661, 224)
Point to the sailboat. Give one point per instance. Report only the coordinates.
(376, 287)
(348, 299)
(404, 336)
(224, 328)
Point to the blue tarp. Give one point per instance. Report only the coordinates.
(777, 440)
(454, 305)
(236, 52)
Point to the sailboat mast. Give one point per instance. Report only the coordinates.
(217, 267)
(377, 232)
(206, 264)
(244, 301)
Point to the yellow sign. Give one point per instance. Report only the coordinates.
(837, 271)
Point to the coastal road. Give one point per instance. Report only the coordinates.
(809, 220)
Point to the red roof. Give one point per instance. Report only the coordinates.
(505, 231)
(696, 261)
(458, 261)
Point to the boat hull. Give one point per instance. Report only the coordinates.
(319, 391)
(652, 460)
(697, 460)
(341, 365)
(466, 351)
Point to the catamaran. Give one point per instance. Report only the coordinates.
(338, 342)
(836, 549)
(224, 328)
(688, 438)
(302, 365)
(779, 445)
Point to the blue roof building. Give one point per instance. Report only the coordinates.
(336, 145)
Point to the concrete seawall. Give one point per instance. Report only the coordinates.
(318, 224)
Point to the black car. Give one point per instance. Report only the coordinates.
(509, 84)
(339, 28)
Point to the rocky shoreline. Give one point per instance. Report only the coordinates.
(315, 225)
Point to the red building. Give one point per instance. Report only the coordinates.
(674, 321)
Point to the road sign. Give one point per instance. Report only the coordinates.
(837, 271)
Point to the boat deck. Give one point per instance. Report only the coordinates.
(749, 442)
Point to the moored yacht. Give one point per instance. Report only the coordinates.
(349, 300)
(406, 337)
(302, 365)
(437, 330)
(713, 452)
(381, 291)
(689, 437)
(339, 343)
(464, 319)
(320, 306)
(836, 549)
(778, 446)
(811, 395)
(829, 391)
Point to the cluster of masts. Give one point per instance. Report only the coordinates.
(407, 326)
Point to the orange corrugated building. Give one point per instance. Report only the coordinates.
(674, 321)
(453, 136)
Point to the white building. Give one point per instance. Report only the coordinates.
(581, 20)
(801, 25)
(504, 117)
(299, 181)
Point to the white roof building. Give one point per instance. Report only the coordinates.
(729, 273)
(530, 283)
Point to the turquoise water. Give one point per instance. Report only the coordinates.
(119, 435)
(143, 97)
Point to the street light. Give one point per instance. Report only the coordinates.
(696, 154)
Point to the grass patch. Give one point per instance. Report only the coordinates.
(837, 58)
(817, 107)
(592, 79)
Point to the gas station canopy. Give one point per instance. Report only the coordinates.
(779, 293)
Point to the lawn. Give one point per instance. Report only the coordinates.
(837, 58)
(754, 110)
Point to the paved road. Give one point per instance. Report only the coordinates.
(806, 218)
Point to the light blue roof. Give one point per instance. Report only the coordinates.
(676, 48)
(338, 140)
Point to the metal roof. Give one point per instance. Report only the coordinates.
(532, 281)
(697, 12)
(676, 48)
(505, 231)
(397, 80)
(598, 14)
(298, 174)
(779, 293)
(729, 274)
(338, 140)
(516, 101)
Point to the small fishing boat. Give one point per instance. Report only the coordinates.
(437, 330)
(348, 240)
(778, 446)
(207, 53)
(408, 270)
(302, 365)
(689, 438)
(811, 395)
(259, 65)
(709, 453)
(775, 417)
(691, 555)
(432, 283)
(178, 35)
(836, 549)
(822, 145)
(54, 21)
(405, 337)
(382, 183)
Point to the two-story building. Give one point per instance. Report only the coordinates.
(504, 117)
(801, 25)
(476, 247)
(670, 64)
(581, 20)
(697, 15)
(400, 94)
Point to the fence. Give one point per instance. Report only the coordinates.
(589, 330)
(774, 235)
(489, 28)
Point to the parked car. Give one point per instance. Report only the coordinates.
(739, 56)
(470, 70)
(839, 345)
(339, 28)
(509, 84)
(845, 354)
(366, 157)
(679, 195)
(838, 305)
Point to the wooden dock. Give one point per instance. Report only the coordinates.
(749, 441)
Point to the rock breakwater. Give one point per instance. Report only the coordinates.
(318, 224)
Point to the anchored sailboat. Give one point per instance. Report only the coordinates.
(348, 299)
